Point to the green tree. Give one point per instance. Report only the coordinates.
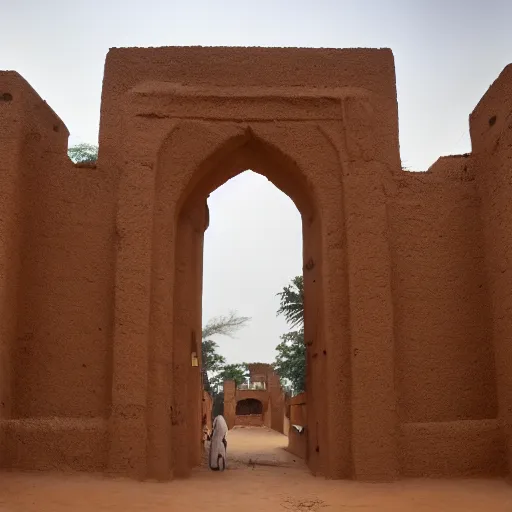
(83, 153)
(225, 325)
(290, 363)
(237, 372)
(292, 302)
(213, 362)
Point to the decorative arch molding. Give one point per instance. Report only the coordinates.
(171, 167)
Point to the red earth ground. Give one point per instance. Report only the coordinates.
(261, 477)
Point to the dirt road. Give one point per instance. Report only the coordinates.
(281, 484)
(260, 447)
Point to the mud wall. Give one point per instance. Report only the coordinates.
(267, 414)
(298, 414)
(249, 420)
(307, 119)
(67, 272)
(207, 411)
(298, 439)
(491, 137)
(250, 413)
(62, 368)
(297, 442)
(445, 364)
(229, 388)
(407, 276)
(15, 108)
(276, 402)
(249, 406)
(180, 372)
(444, 357)
(60, 356)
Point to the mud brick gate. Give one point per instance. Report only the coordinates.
(408, 282)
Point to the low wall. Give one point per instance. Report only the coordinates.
(297, 439)
(79, 444)
(298, 410)
(286, 425)
(249, 420)
(452, 448)
(297, 442)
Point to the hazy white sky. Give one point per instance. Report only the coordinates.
(447, 53)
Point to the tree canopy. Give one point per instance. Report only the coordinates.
(290, 363)
(225, 325)
(214, 367)
(83, 153)
(292, 302)
(237, 372)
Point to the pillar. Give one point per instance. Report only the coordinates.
(369, 155)
(230, 402)
(184, 337)
(11, 146)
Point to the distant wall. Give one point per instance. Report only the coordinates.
(277, 403)
(297, 442)
(298, 410)
(249, 420)
(267, 414)
(298, 438)
(249, 406)
(207, 410)
(229, 387)
(249, 413)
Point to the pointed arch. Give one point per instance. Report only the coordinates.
(194, 158)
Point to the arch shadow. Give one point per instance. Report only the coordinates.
(248, 406)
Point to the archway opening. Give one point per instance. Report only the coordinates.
(249, 406)
(249, 413)
(250, 254)
(264, 160)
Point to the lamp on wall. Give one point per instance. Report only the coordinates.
(193, 348)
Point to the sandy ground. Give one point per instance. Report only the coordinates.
(279, 485)
(261, 447)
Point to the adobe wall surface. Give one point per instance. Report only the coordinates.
(59, 357)
(232, 396)
(249, 420)
(229, 388)
(66, 272)
(445, 365)
(407, 276)
(298, 408)
(442, 308)
(297, 442)
(61, 369)
(276, 400)
(491, 137)
(207, 410)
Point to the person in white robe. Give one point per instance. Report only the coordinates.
(218, 444)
